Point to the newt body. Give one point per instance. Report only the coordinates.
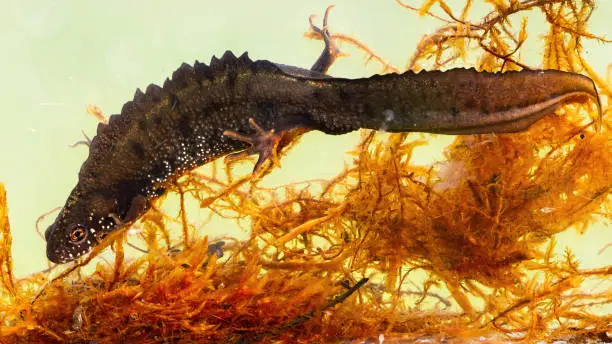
(167, 131)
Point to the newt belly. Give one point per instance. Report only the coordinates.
(207, 111)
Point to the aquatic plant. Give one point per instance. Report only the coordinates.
(460, 249)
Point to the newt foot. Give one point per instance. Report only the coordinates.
(264, 143)
(86, 142)
(331, 51)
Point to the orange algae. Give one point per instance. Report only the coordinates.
(457, 250)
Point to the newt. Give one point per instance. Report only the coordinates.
(236, 106)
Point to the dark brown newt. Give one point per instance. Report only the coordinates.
(238, 105)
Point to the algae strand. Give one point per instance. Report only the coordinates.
(452, 250)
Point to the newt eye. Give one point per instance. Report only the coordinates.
(78, 234)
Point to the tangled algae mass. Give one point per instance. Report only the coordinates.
(386, 251)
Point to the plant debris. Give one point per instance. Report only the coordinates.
(386, 249)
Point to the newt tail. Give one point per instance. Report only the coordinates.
(237, 105)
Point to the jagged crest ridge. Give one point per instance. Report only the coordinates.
(142, 102)
(108, 135)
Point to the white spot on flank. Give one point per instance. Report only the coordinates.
(389, 116)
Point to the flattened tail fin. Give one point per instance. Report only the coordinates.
(464, 101)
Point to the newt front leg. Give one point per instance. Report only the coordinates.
(264, 143)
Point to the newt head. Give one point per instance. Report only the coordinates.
(79, 226)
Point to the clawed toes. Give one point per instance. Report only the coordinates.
(86, 142)
(316, 28)
(265, 143)
(331, 51)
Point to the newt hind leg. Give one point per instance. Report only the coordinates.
(331, 51)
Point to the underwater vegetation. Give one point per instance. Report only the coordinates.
(386, 250)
